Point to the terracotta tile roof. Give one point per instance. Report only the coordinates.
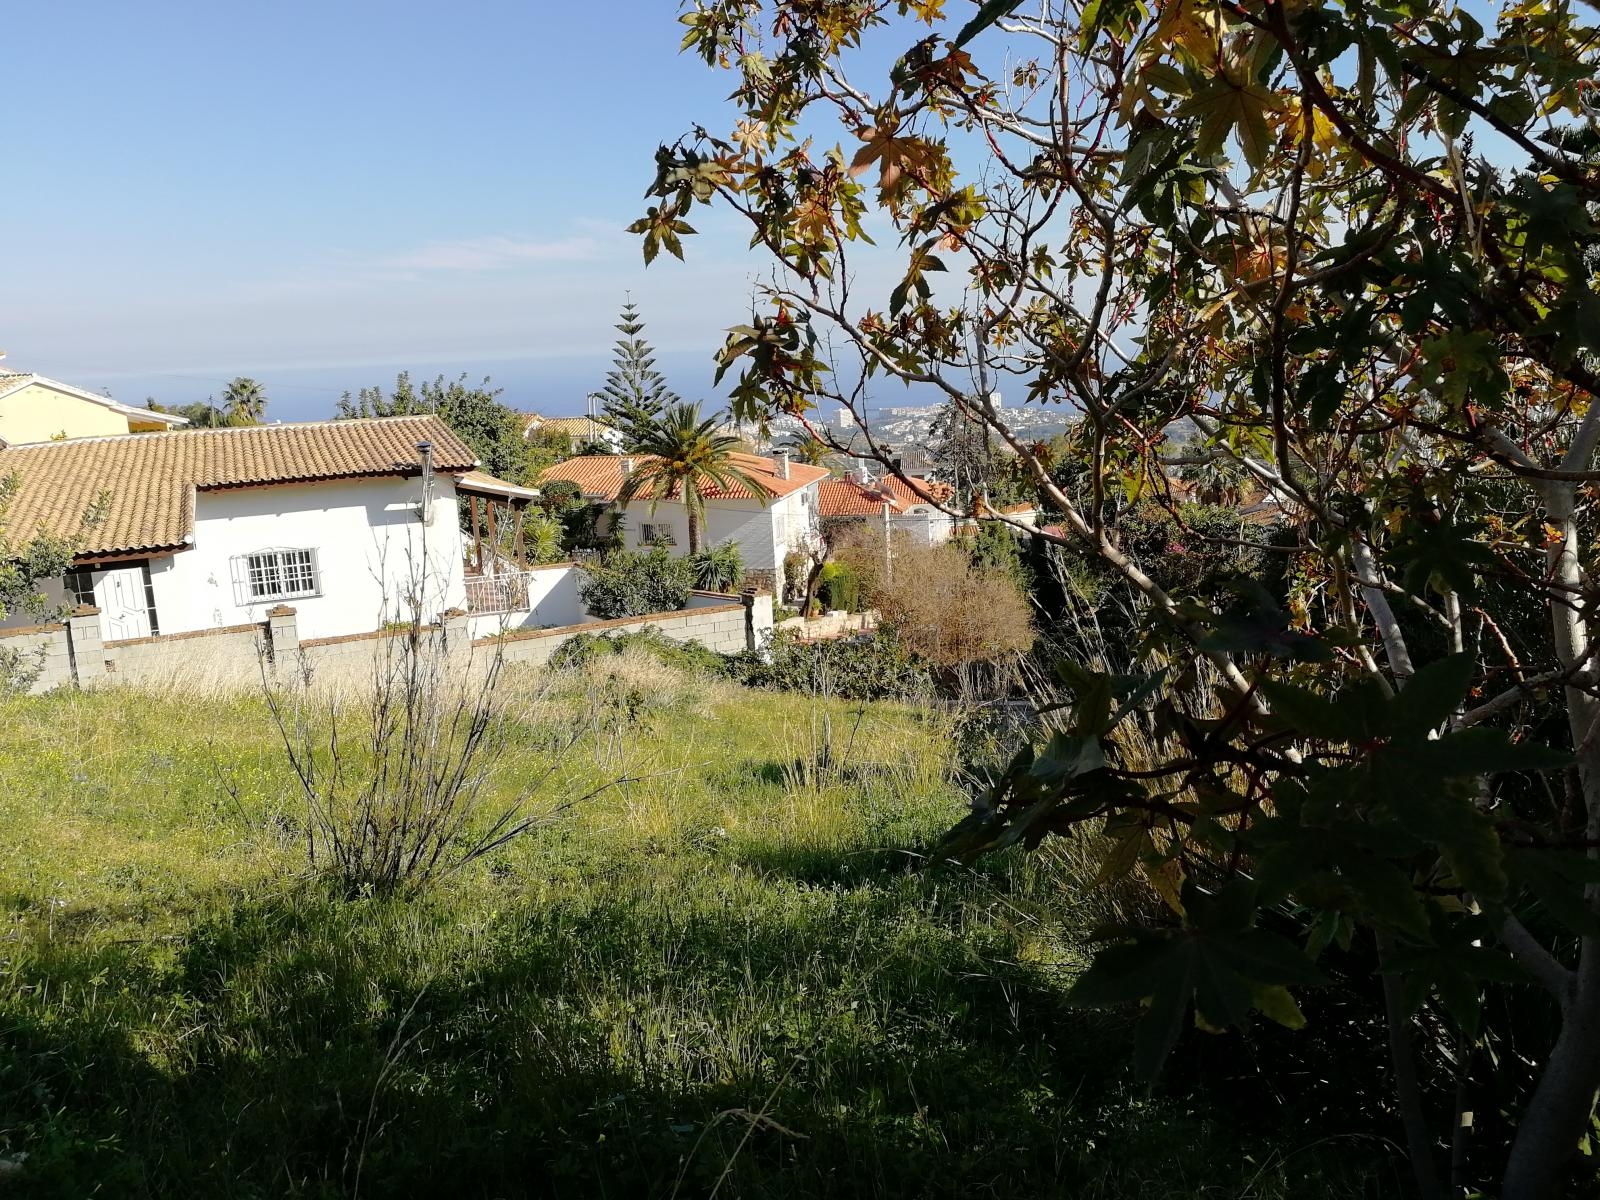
(600, 476)
(10, 381)
(149, 479)
(577, 427)
(852, 498)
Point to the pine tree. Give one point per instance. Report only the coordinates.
(635, 394)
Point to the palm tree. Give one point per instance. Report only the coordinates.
(245, 401)
(807, 449)
(683, 458)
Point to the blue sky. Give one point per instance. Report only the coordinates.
(320, 194)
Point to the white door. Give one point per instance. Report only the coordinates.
(124, 603)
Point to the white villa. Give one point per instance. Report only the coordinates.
(349, 522)
(910, 510)
(765, 528)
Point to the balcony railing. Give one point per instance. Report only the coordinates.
(504, 592)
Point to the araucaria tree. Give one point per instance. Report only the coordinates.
(635, 394)
(1351, 249)
(684, 459)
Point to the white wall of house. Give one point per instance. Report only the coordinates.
(924, 525)
(764, 534)
(553, 601)
(371, 553)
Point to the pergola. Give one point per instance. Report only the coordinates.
(487, 496)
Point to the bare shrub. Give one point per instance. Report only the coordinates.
(397, 782)
(944, 607)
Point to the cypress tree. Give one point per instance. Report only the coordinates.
(635, 394)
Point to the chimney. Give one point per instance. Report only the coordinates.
(783, 464)
(425, 449)
(627, 466)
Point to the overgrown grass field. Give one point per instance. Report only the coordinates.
(725, 977)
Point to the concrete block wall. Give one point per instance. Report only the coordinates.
(222, 657)
(73, 654)
(44, 648)
(729, 625)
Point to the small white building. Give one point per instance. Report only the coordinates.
(766, 528)
(909, 509)
(205, 529)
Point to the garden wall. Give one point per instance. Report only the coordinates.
(72, 653)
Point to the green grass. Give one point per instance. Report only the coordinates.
(725, 975)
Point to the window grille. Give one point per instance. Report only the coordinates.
(279, 574)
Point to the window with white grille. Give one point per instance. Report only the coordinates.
(278, 574)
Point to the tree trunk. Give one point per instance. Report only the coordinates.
(1547, 1136)
(1408, 1089)
(694, 530)
(1558, 1113)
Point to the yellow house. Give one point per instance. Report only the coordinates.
(36, 409)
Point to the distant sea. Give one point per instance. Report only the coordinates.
(555, 385)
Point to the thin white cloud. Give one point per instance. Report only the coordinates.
(489, 253)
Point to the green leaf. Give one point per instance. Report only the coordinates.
(1557, 879)
(1278, 1004)
(1385, 892)
(991, 12)
(1122, 974)
(1485, 751)
(1431, 695)
(1226, 107)
(1264, 957)
(1158, 1031)
(1067, 756)
(1313, 715)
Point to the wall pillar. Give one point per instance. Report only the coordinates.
(457, 635)
(283, 633)
(748, 599)
(85, 646)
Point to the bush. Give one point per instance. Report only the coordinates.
(952, 612)
(717, 568)
(579, 520)
(635, 583)
(839, 588)
(586, 648)
(871, 668)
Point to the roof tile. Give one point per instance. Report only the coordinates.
(601, 475)
(149, 479)
(852, 498)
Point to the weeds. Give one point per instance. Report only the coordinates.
(714, 955)
(395, 796)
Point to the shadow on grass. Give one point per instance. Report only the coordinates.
(810, 1045)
